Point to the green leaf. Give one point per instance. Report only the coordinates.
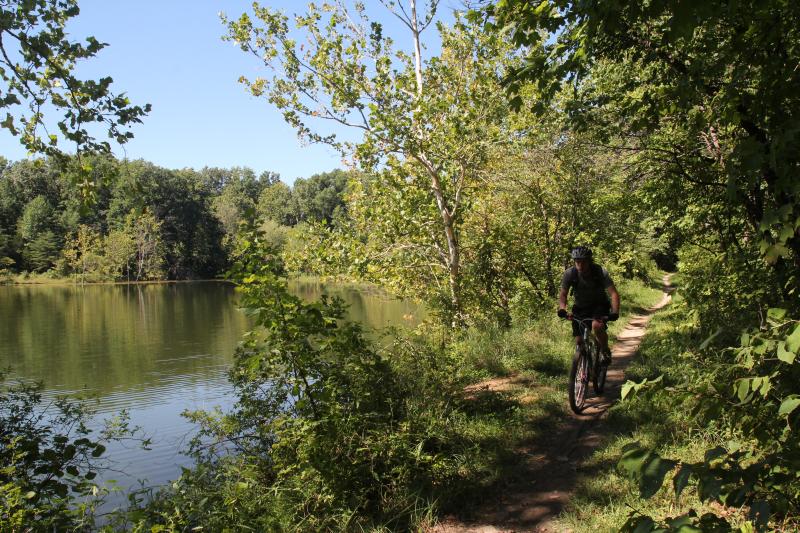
(787, 232)
(742, 389)
(69, 452)
(30, 495)
(789, 404)
(776, 313)
(681, 479)
(633, 460)
(653, 475)
(627, 388)
(766, 386)
(638, 524)
(98, 450)
(785, 355)
(745, 340)
(793, 340)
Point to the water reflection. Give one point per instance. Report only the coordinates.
(154, 349)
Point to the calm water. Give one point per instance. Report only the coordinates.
(153, 349)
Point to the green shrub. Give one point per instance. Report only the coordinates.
(749, 396)
(49, 461)
(728, 290)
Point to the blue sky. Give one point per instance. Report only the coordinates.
(169, 53)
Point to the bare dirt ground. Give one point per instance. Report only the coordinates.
(550, 466)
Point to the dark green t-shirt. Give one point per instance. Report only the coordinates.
(589, 290)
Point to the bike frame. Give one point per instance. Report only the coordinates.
(587, 333)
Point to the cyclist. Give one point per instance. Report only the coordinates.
(591, 287)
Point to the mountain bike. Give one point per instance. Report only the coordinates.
(586, 363)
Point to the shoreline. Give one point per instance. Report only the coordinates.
(66, 282)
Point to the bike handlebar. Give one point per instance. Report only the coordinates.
(576, 318)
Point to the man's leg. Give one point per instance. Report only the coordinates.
(599, 328)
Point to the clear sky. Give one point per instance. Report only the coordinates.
(169, 53)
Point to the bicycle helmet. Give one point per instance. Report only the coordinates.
(581, 252)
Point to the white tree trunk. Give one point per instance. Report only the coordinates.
(453, 256)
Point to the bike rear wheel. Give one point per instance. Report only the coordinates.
(599, 370)
(599, 377)
(578, 379)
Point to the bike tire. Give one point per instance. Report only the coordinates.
(578, 380)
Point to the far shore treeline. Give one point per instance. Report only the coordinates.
(148, 222)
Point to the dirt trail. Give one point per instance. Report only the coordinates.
(550, 466)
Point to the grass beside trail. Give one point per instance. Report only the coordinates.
(536, 355)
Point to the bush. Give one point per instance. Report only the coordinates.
(729, 291)
(49, 461)
(750, 393)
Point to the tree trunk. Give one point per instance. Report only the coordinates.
(453, 256)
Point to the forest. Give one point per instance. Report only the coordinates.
(146, 223)
(665, 135)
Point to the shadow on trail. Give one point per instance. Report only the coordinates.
(517, 471)
(484, 402)
(551, 365)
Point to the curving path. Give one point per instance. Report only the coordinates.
(550, 466)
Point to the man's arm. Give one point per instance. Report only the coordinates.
(612, 291)
(562, 298)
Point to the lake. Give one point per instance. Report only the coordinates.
(152, 349)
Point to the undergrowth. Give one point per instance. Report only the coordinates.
(689, 422)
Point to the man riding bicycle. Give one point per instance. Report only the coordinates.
(591, 287)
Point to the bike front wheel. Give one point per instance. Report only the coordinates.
(578, 379)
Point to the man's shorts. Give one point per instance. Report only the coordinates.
(597, 311)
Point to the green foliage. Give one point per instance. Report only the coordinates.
(755, 400)
(37, 68)
(42, 252)
(274, 203)
(197, 214)
(658, 77)
(83, 254)
(321, 422)
(35, 219)
(330, 433)
(320, 198)
(728, 290)
(180, 201)
(687, 523)
(239, 189)
(49, 460)
(427, 125)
